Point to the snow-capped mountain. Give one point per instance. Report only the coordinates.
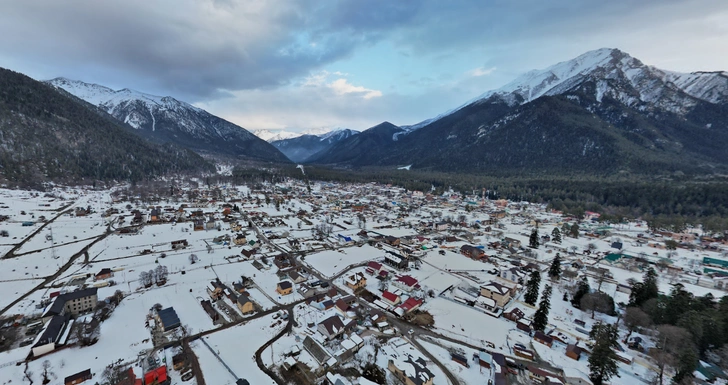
(165, 119)
(301, 147)
(607, 65)
(603, 111)
(272, 136)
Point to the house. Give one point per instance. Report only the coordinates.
(411, 371)
(156, 376)
(541, 337)
(406, 283)
(441, 226)
(485, 359)
(211, 312)
(168, 319)
(513, 274)
(355, 281)
(392, 241)
(514, 314)
(284, 288)
(373, 268)
(472, 252)
(105, 273)
(573, 351)
(296, 277)
(512, 243)
(524, 327)
(78, 377)
(50, 336)
(245, 304)
(460, 359)
(331, 327)
(215, 290)
(74, 303)
(411, 304)
(391, 298)
(344, 308)
(240, 240)
(395, 260)
(496, 291)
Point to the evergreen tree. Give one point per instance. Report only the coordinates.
(533, 241)
(541, 317)
(603, 359)
(555, 269)
(574, 231)
(582, 288)
(645, 290)
(556, 235)
(532, 285)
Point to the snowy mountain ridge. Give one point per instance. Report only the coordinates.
(606, 67)
(165, 119)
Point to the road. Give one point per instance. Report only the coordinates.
(60, 271)
(11, 253)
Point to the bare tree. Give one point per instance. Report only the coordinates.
(674, 348)
(597, 302)
(634, 319)
(193, 258)
(46, 371)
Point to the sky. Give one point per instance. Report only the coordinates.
(295, 65)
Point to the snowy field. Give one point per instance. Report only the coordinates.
(236, 347)
(465, 323)
(331, 262)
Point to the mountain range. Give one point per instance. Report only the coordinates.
(602, 112)
(302, 147)
(51, 135)
(168, 120)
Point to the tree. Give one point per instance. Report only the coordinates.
(582, 288)
(46, 371)
(145, 278)
(671, 244)
(634, 319)
(574, 231)
(597, 302)
(555, 268)
(160, 274)
(541, 317)
(556, 235)
(645, 290)
(591, 247)
(674, 350)
(532, 286)
(533, 240)
(193, 258)
(603, 360)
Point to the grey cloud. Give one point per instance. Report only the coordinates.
(190, 48)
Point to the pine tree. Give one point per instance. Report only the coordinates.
(582, 289)
(574, 231)
(533, 241)
(555, 269)
(532, 285)
(603, 359)
(541, 317)
(556, 235)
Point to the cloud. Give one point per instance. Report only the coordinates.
(341, 86)
(193, 49)
(481, 71)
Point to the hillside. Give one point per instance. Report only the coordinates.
(48, 135)
(168, 120)
(300, 148)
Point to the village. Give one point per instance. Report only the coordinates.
(327, 283)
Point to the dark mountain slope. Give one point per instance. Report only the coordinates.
(168, 120)
(50, 135)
